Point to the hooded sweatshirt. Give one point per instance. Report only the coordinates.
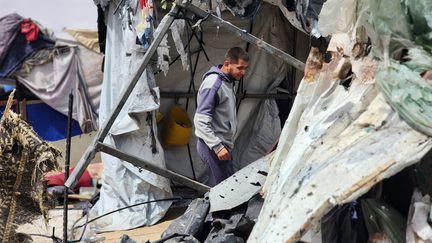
(215, 118)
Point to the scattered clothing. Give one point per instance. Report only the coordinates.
(19, 50)
(59, 179)
(30, 30)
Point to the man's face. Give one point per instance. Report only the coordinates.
(237, 70)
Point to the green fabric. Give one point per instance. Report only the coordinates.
(393, 26)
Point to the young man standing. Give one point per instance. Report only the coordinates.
(215, 118)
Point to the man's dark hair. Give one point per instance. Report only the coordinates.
(236, 53)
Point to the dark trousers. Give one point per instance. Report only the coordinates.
(220, 169)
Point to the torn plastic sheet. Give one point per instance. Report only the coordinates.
(409, 94)
(191, 222)
(177, 29)
(302, 14)
(336, 144)
(393, 25)
(163, 55)
(383, 219)
(418, 228)
(337, 17)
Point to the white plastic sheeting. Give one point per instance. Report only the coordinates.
(337, 17)
(125, 184)
(336, 144)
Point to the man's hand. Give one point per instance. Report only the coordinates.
(223, 154)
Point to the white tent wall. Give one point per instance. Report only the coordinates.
(125, 184)
(258, 121)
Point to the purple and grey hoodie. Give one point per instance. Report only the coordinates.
(215, 118)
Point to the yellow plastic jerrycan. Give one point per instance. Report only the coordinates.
(177, 127)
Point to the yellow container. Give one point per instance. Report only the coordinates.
(177, 128)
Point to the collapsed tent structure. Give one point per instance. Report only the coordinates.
(340, 122)
(361, 113)
(49, 69)
(129, 129)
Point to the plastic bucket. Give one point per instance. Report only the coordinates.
(177, 127)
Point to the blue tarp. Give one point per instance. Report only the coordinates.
(48, 123)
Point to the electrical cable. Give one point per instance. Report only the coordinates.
(120, 209)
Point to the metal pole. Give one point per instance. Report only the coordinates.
(67, 163)
(243, 34)
(100, 136)
(153, 168)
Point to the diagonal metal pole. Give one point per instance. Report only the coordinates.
(100, 136)
(153, 168)
(243, 34)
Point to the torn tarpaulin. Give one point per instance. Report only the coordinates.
(191, 222)
(177, 29)
(333, 131)
(306, 13)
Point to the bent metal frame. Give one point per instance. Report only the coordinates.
(98, 145)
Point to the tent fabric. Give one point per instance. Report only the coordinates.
(19, 50)
(49, 123)
(132, 132)
(53, 81)
(89, 38)
(9, 28)
(263, 76)
(38, 58)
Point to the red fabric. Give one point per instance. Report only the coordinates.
(29, 29)
(59, 180)
(143, 3)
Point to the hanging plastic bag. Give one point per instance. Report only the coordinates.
(344, 223)
(382, 218)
